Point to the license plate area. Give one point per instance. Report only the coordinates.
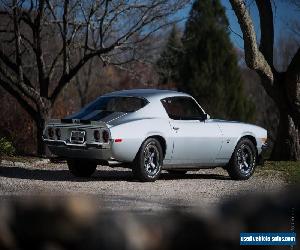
(77, 137)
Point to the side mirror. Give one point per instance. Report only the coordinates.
(205, 117)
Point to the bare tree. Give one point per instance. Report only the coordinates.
(282, 87)
(39, 38)
(89, 74)
(95, 78)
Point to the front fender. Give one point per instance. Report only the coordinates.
(233, 132)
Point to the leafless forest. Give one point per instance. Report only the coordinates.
(56, 56)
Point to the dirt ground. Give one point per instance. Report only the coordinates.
(116, 189)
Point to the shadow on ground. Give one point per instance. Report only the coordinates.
(99, 175)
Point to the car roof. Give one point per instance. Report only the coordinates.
(148, 94)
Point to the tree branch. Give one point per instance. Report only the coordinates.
(254, 58)
(54, 62)
(295, 64)
(267, 30)
(13, 67)
(293, 84)
(19, 97)
(101, 23)
(39, 51)
(73, 71)
(30, 92)
(65, 33)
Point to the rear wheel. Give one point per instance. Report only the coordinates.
(148, 161)
(243, 160)
(81, 168)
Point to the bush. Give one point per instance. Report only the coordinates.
(6, 147)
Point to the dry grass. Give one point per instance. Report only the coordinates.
(290, 170)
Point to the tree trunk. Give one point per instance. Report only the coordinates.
(41, 148)
(40, 122)
(287, 145)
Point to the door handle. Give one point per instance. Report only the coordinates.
(175, 128)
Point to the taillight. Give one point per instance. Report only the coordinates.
(96, 135)
(105, 136)
(58, 133)
(50, 132)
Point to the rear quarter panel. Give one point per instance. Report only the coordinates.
(134, 132)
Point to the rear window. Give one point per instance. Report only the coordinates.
(107, 105)
(116, 104)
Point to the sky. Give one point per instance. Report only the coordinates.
(282, 11)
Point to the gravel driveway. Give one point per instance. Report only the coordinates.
(115, 189)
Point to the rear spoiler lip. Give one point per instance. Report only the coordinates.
(75, 121)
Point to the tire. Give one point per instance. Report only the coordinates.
(177, 172)
(243, 160)
(81, 168)
(142, 168)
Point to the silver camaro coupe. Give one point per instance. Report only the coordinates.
(148, 130)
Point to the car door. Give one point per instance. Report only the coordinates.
(195, 140)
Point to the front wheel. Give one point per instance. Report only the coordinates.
(243, 160)
(81, 168)
(148, 161)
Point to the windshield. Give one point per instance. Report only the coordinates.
(105, 106)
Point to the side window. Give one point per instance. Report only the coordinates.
(182, 108)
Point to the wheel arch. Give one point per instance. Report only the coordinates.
(161, 140)
(252, 139)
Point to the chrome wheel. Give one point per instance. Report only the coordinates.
(244, 159)
(151, 159)
(148, 161)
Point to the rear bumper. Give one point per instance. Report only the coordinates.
(263, 155)
(86, 151)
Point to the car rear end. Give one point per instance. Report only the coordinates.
(73, 138)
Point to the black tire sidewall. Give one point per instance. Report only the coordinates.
(138, 164)
(233, 168)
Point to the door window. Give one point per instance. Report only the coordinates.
(182, 108)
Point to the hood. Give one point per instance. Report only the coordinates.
(224, 121)
(240, 127)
